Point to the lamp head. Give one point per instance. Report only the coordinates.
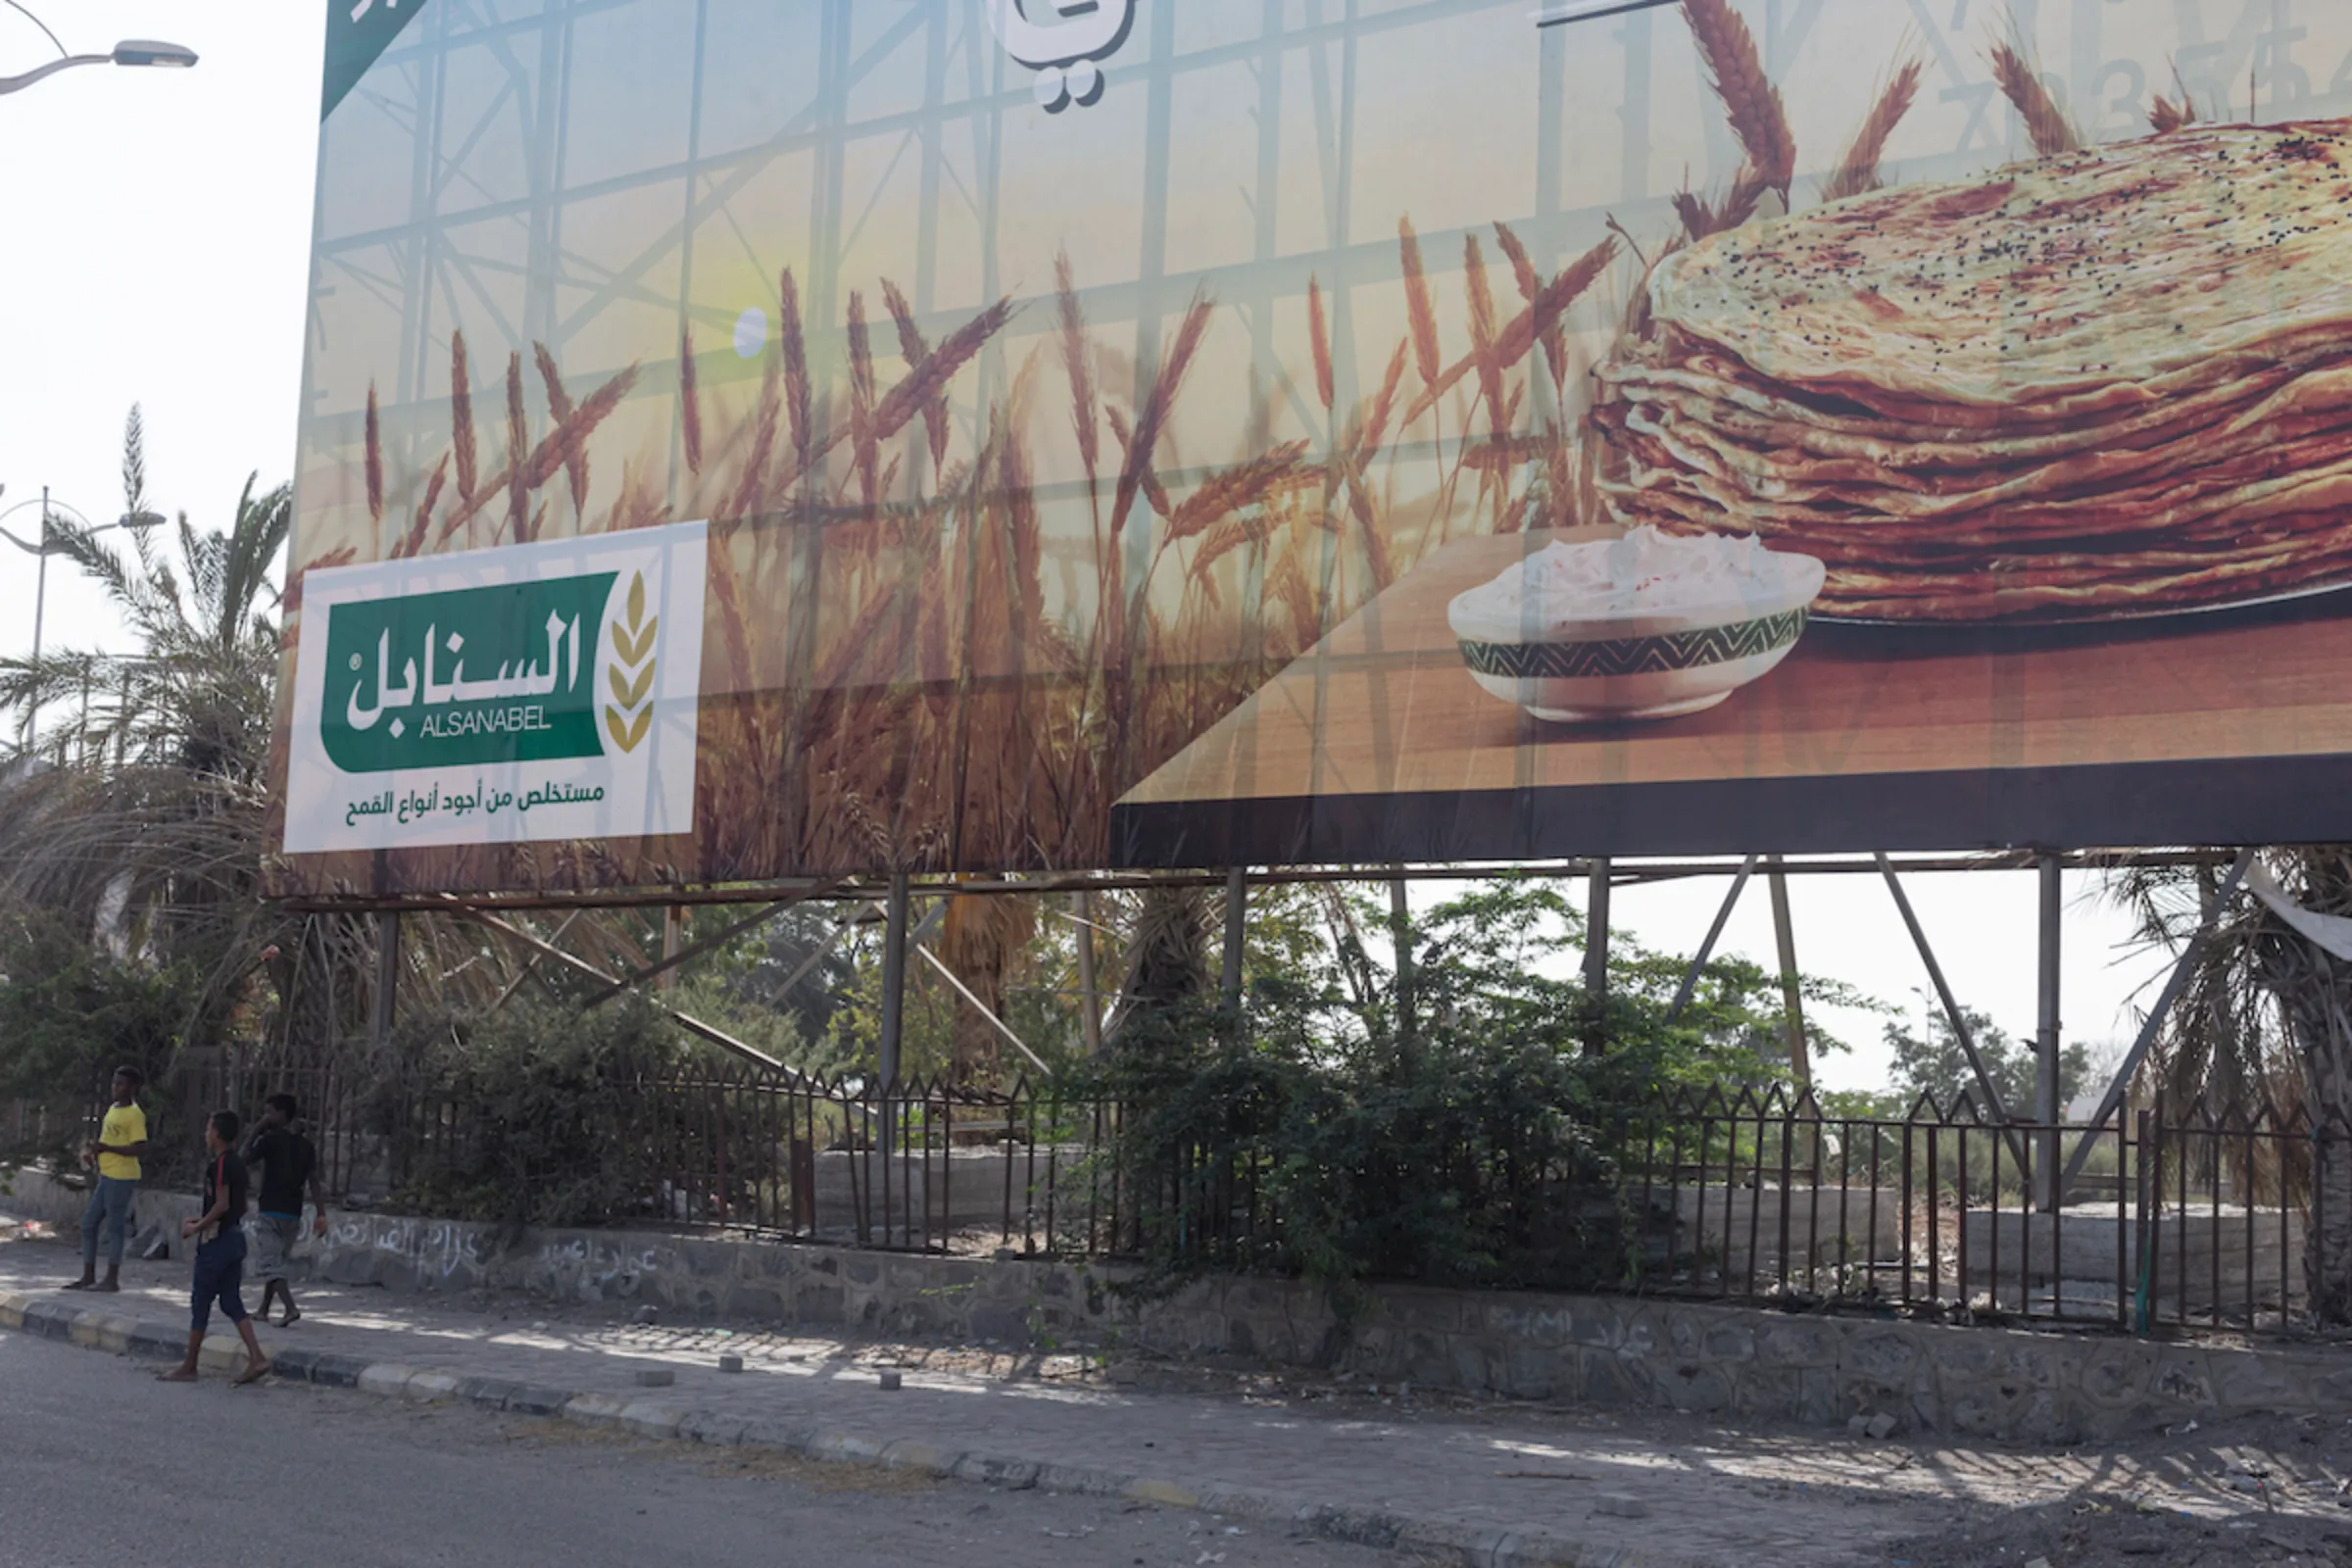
(139, 521)
(153, 52)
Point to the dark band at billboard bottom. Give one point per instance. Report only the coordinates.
(2290, 799)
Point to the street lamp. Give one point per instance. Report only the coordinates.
(129, 52)
(136, 521)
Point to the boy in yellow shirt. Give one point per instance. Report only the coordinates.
(122, 1140)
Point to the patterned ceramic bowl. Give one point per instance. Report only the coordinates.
(1635, 663)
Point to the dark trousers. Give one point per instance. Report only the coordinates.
(219, 1276)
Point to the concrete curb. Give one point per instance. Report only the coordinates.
(1434, 1541)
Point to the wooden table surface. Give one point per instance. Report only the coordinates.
(1384, 707)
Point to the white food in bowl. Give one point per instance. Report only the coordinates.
(1645, 625)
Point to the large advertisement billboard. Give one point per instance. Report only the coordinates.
(1171, 432)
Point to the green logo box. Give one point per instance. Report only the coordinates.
(501, 674)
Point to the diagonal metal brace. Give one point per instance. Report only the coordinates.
(694, 1026)
(2173, 985)
(981, 1007)
(719, 937)
(1953, 1015)
(1706, 949)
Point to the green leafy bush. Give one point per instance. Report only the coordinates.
(70, 1014)
(1459, 1124)
(549, 1120)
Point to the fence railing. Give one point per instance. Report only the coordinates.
(2195, 1216)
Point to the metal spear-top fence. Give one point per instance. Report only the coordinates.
(920, 1165)
(2193, 1216)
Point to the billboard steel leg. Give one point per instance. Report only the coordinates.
(2153, 1024)
(2046, 1107)
(1792, 1001)
(1090, 1018)
(894, 979)
(1237, 915)
(388, 983)
(1596, 928)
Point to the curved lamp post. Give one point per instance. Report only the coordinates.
(137, 521)
(129, 52)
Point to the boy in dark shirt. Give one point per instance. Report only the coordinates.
(219, 1251)
(288, 1164)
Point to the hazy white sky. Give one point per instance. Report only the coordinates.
(159, 224)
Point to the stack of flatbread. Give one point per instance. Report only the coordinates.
(2103, 383)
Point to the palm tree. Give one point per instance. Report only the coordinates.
(2266, 1018)
(147, 830)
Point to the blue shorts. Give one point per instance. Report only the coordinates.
(219, 1276)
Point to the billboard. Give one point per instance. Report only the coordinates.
(1131, 432)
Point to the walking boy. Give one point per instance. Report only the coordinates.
(220, 1252)
(122, 1140)
(288, 1164)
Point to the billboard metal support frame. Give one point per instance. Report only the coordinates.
(674, 956)
(873, 888)
(384, 1006)
(893, 979)
(1237, 916)
(1089, 992)
(2048, 984)
(2153, 1024)
(981, 1007)
(1792, 1006)
(1597, 878)
(1951, 1011)
(691, 1025)
(530, 965)
(1706, 949)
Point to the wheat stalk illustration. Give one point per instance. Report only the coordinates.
(631, 672)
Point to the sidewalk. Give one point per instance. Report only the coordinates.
(1459, 1481)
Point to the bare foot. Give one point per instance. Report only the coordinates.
(253, 1373)
(178, 1374)
(110, 1287)
(293, 1315)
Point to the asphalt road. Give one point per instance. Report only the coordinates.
(101, 1464)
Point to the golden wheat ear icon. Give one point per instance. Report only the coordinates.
(631, 672)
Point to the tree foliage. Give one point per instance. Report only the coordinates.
(1458, 1124)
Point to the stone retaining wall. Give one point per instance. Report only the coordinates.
(1603, 1350)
